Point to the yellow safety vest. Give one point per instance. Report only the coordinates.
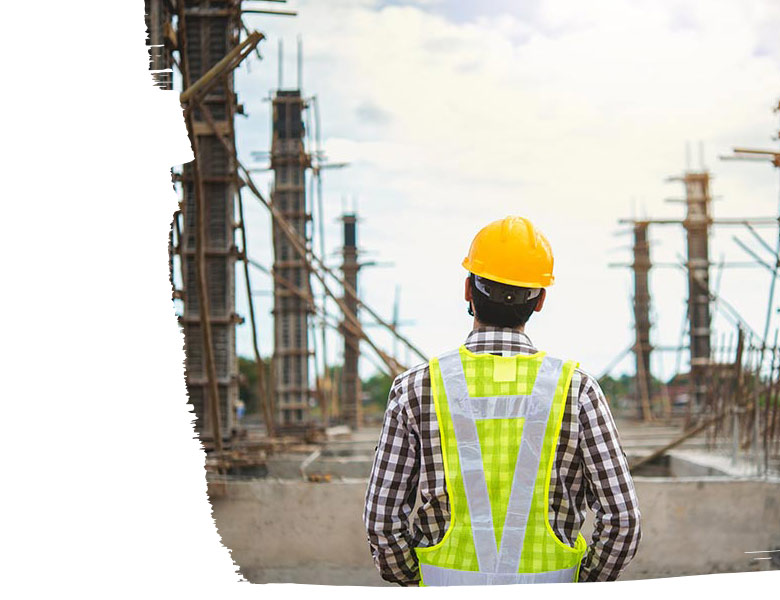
(499, 420)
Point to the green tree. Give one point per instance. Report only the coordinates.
(617, 389)
(377, 387)
(247, 382)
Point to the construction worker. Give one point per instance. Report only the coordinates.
(502, 447)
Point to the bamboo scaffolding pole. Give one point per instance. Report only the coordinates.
(195, 91)
(263, 392)
(351, 326)
(352, 292)
(615, 361)
(299, 247)
(316, 308)
(285, 283)
(301, 250)
(321, 221)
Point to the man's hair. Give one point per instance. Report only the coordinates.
(501, 314)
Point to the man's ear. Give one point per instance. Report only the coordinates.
(540, 302)
(467, 292)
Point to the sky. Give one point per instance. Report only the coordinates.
(454, 114)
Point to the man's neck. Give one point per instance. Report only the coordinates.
(478, 325)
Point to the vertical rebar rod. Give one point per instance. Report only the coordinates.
(300, 63)
(734, 435)
(280, 66)
(756, 450)
(736, 396)
(767, 402)
(775, 397)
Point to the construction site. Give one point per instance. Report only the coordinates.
(290, 436)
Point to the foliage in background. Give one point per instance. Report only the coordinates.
(247, 383)
(375, 390)
(617, 389)
(621, 391)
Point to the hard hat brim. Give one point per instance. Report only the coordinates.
(526, 284)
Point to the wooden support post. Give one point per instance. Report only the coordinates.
(642, 347)
(263, 395)
(231, 60)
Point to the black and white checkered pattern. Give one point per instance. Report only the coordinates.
(590, 470)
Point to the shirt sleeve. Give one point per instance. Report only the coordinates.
(610, 489)
(392, 491)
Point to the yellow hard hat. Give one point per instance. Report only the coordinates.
(512, 251)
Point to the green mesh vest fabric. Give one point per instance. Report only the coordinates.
(499, 441)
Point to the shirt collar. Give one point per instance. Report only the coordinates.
(499, 339)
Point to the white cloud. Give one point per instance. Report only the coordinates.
(563, 113)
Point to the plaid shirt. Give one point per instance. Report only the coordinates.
(590, 469)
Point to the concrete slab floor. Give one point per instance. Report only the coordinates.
(290, 531)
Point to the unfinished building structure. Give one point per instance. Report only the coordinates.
(697, 224)
(202, 40)
(351, 393)
(207, 31)
(289, 161)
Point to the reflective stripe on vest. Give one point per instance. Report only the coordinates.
(435, 576)
(496, 564)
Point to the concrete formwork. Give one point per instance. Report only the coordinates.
(351, 404)
(211, 31)
(697, 227)
(289, 160)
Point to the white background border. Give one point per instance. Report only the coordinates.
(104, 491)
